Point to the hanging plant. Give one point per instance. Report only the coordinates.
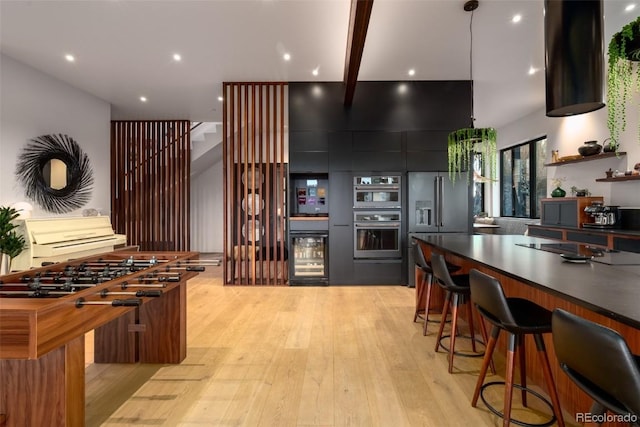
(623, 77)
(464, 143)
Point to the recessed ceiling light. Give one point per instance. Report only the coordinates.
(177, 57)
(412, 72)
(220, 99)
(532, 70)
(143, 99)
(630, 7)
(69, 57)
(286, 57)
(516, 18)
(315, 71)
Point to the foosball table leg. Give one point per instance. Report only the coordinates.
(56, 399)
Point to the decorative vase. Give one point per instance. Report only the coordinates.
(4, 264)
(589, 148)
(558, 192)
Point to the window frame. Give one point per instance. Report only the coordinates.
(534, 211)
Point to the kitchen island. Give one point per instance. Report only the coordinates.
(605, 290)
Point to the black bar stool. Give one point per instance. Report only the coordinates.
(427, 279)
(457, 293)
(518, 317)
(599, 361)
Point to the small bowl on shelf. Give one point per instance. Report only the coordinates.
(590, 148)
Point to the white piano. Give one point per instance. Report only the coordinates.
(65, 238)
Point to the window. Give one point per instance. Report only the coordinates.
(523, 179)
(478, 186)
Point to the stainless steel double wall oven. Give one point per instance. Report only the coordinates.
(377, 217)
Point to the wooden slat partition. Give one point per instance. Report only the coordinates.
(254, 174)
(150, 178)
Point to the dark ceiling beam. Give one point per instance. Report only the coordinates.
(358, 23)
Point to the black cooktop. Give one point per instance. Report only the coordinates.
(595, 254)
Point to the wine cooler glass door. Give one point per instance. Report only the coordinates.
(309, 259)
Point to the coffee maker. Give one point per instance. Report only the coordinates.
(604, 216)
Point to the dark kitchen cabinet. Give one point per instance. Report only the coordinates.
(559, 213)
(378, 272)
(340, 151)
(426, 151)
(588, 238)
(550, 233)
(341, 267)
(566, 212)
(377, 151)
(308, 152)
(626, 244)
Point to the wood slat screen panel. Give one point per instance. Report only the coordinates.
(255, 179)
(150, 180)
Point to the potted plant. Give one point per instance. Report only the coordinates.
(463, 143)
(623, 77)
(11, 243)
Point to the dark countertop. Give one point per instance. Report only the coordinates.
(610, 290)
(619, 231)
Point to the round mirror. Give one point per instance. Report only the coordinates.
(55, 173)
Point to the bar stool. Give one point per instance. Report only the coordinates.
(518, 317)
(598, 360)
(427, 279)
(457, 293)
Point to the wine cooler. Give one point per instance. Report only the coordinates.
(309, 264)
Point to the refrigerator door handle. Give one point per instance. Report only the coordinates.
(441, 201)
(436, 196)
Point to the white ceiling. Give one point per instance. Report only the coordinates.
(124, 48)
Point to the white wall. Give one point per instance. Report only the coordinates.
(207, 210)
(32, 104)
(566, 135)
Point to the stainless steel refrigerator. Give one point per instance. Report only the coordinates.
(435, 205)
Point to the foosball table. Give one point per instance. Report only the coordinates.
(134, 301)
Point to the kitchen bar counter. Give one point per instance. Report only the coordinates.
(610, 290)
(605, 294)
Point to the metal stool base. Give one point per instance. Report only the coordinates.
(462, 354)
(527, 390)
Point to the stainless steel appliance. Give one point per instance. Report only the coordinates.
(310, 258)
(435, 206)
(377, 191)
(377, 234)
(604, 216)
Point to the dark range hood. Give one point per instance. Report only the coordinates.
(574, 56)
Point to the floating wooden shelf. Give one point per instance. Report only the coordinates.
(620, 178)
(588, 158)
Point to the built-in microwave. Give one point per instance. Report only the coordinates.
(377, 191)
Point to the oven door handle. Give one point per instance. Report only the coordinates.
(376, 225)
(377, 187)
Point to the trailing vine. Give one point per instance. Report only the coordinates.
(463, 143)
(623, 77)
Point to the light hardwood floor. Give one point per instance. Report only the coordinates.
(295, 356)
